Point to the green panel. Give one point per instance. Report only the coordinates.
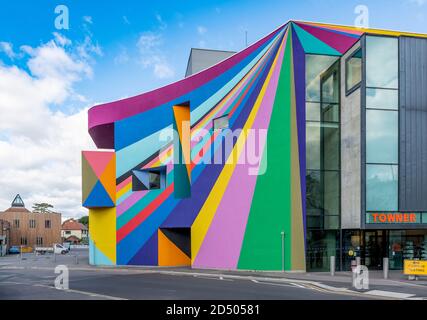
(271, 205)
(313, 45)
(89, 178)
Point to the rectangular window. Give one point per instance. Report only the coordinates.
(16, 223)
(39, 241)
(382, 136)
(47, 224)
(382, 62)
(221, 123)
(381, 187)
(67, 232)
(23, 241)
(382, 99)
(32, 224)
(149, 179)
(353, 67)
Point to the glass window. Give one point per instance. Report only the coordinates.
(313, 145)
(331, 193)
(331, 146)
(332, 222)
(314, 193)
(47, 224)
(381, 136)
(312, 111)
(382, 99)
(149, 179)
(382, 60)
(424, 217)
(381, 187)
(330, 112)
(353, 69)
(221, 123)
(316, 65)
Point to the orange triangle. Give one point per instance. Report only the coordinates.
(108, 179)
(169, 254)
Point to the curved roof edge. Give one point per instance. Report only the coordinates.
(101, 118)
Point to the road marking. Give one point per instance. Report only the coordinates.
(91, 294)
(398, 295)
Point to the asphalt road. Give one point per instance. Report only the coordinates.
(83, 285)
(33, 277)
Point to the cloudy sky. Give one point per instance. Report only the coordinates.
(116, 49)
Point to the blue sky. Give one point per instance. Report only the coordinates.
(117, 25)
(116, 49)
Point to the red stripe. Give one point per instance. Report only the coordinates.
(140, 217)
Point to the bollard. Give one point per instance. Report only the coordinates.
(385, 267)
(76, 259)
(332, 266)
(54, 256)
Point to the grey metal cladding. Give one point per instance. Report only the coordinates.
(413, 124)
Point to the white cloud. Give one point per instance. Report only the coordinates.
(148, 41)
(40, 145)
(202, 44)
(88, 19)
(151, 55)
(7, 48)
(163, 71)
(417, 2)
(162, 24)
(122, 57)
(201, 30)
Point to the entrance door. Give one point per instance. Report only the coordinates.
(375, 249)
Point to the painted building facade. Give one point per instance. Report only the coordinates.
(268, 160)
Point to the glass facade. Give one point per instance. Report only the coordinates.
(322, 160)
(382, 123)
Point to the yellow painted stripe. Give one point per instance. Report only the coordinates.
(368, 30)
(205, 217)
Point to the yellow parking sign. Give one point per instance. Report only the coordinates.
(415, 267)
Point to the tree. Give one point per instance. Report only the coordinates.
(84, 220)
(42, 207)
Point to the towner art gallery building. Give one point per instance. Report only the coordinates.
(328, 157)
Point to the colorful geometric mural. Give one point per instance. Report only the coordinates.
(229, 214)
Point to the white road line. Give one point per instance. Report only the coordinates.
(91, 294)
(398, 295)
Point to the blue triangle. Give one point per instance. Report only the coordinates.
(98, 198)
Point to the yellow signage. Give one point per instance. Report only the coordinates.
(415, 267)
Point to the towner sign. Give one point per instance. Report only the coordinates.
(394, 217)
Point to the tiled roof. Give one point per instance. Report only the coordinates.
(72, 224)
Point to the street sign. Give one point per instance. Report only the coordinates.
(415, 267)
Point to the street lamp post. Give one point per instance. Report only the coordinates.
(283, 250)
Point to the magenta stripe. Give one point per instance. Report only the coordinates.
(223, 241)
(117, 110)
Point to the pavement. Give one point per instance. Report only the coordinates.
(33, 277)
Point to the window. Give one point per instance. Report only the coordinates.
(381, 187)
(381, 136)
(47, 224)
(322, 142)
(16, 223)
(382, 62)
(149, 179)
(24, 241)
(221, 123)
(39, 241)
(67, 232)
(382, 99)
(32, 224)
(353, 73)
